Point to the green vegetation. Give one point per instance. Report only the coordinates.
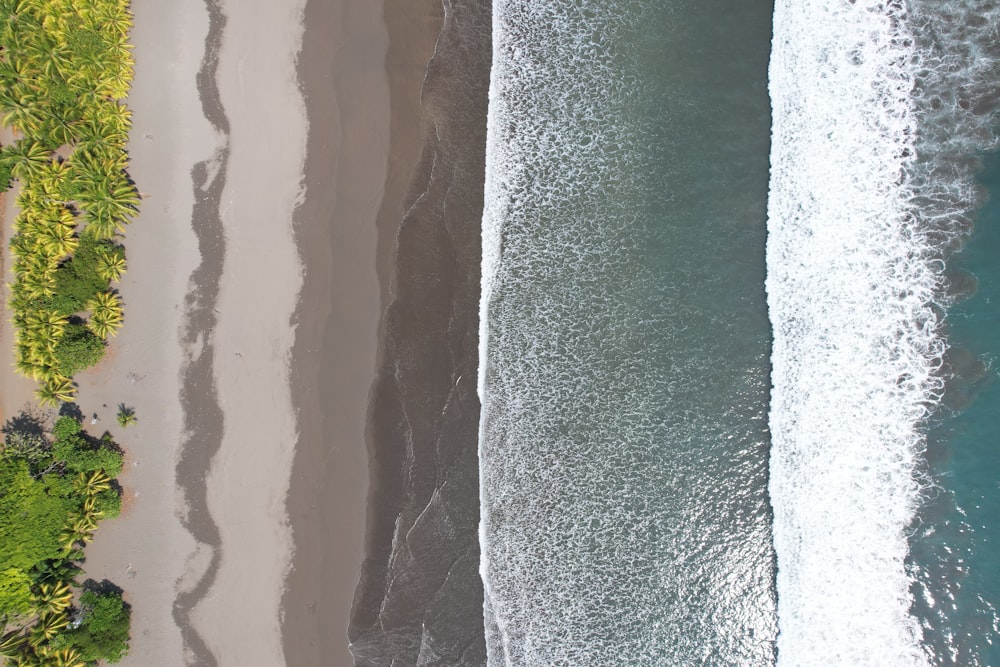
(103, 630)
(53, 492)
(65, 67)
(126, 416)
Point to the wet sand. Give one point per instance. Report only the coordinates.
(420, 598)
(362, 86)
(341, 70)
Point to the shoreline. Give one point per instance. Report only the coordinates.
(352, 68)
(420, 596)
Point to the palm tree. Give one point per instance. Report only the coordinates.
(126, 416)
(116, 21)
(47, 627)
(104, 325)
(22, 245)
(55, 390)
(109, 205)
(36, 285)
(22, 114)
(60, 240)
(13, 643)
(106, 314)
(24, 366)
(79, 530)
(64, 657)
(93, 483)
(110, 263)
(48, 324)
(29, 156)
(105, 301)
(52, 598)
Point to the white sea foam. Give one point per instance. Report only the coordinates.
(854, 268)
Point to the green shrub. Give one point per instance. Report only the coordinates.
(30, 518)
(82, 454)
(109, 501)
(15, 592)
(78, 279)
(103, 632)
(6, 176)
(78, 349)
(66, 427)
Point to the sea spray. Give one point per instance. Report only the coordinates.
(624, 338)
(871, 185)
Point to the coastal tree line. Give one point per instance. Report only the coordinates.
(56, 489)
(65, 70)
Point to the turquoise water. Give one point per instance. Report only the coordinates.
(957, 545)
(665, 480)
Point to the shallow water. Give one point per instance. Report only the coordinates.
(954, 559)
(623, 445)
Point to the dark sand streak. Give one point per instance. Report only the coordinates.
(203, 418)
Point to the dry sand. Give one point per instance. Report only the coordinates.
(147, 550)
(258, 89)
(203, 357)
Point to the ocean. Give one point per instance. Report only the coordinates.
(880, 112)
(625, 344)
(737, 334)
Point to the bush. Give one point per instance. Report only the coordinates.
(66, 427)
(109, 501)
(77, 279)
(30, 518)
(103, 632)
(78, 349)
(5, 175)
(82, 454)
(15, 593)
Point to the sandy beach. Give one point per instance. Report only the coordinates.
(217, 150)
(276, 184)
(147, 551)
(342, 69)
